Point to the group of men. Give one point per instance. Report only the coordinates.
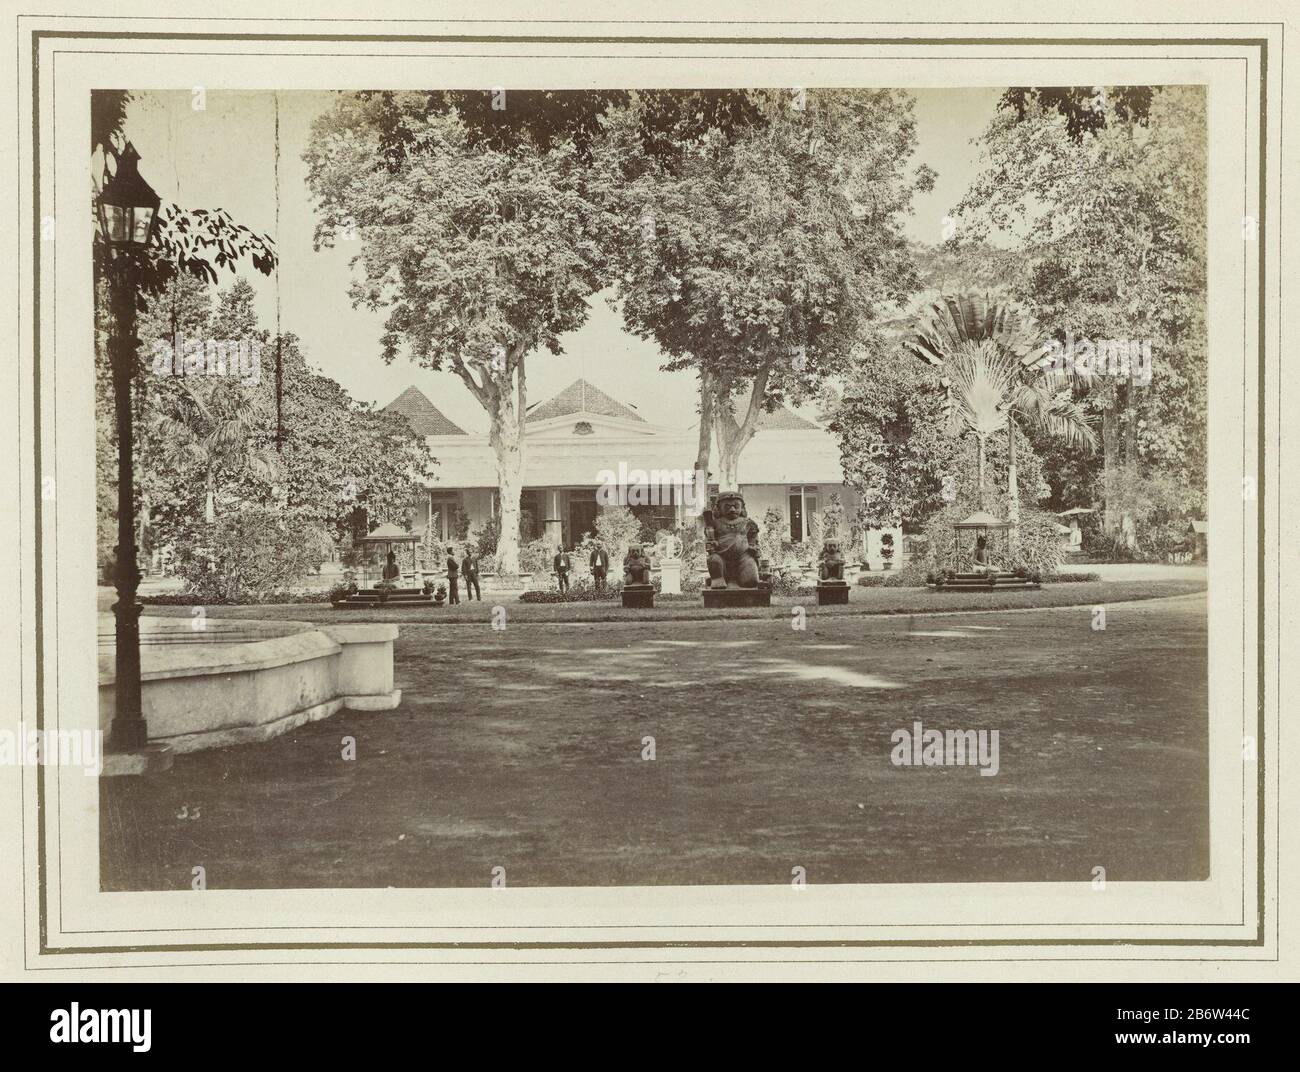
(598, 561)
(467, 568)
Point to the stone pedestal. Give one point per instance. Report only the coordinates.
(506, 582)
(151, 759)
(738, 597)
(831, 593)
(670, 577)
(639, 596)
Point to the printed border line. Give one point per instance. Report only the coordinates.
(1261, 44)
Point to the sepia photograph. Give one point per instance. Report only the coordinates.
(623, 487)
(586, 495)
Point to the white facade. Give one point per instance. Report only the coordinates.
(791, 465)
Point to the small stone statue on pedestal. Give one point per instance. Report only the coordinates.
(831, 587)
(638, 591)
(636, 567)
(832, 562)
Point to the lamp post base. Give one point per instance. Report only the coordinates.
(129, 731)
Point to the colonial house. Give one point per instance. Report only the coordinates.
(791, 465)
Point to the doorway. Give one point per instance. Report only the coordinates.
(582, 516)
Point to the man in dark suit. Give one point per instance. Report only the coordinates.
(453, 569)
(599, 563)
(563, 563)
(469, 570)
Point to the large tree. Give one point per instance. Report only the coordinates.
(211, 445)
(1104, 191)
(760, 252)
(993, 364)
(483, 241)
(189, 247)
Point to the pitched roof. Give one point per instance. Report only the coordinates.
(981, 520)
(426, 418)
(581, 397)
(389, 531)
(782, 419)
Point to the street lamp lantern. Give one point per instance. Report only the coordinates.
(128, 217)
(128, 206)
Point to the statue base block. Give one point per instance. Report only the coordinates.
(831, 593)
(738, 597)
(639, 596)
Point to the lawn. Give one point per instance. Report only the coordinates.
(523, 749)
(862, 601)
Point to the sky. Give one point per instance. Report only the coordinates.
(224, 155)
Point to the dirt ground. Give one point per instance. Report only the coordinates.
(524, 748)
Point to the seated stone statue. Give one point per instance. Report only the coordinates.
(636, 567)
(392, 572)
(983, 560)
(731, 541)
(832, 562)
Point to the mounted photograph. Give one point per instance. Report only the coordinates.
(629, 487)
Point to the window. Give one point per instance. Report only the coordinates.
(446, 508)
(532, 514)
(803, 512)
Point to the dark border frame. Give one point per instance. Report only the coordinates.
(1259, 43)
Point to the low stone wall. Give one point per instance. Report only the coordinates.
(232, 682)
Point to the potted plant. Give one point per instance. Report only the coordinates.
(886, 550)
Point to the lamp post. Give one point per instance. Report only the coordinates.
(128, 216)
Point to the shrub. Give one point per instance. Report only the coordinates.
(617, 526)
(887, 549)
(1038, 546)
(537, 556)
(582, 590)
(287, 595)
(1068, 577)
(790, 585)
(692, 583)
(771, 534)
(485, 539)
(249, 556)
(342, 590)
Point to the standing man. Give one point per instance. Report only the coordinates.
(469, 570)
(563, 563)
(453, 588)
(599, 565)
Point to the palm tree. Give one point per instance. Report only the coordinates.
(995, 377)
(214, 432)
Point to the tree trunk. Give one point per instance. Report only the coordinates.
(210, 501)
(506, 435)
(1109, 467)
(1127, 523)
(733, 435)
(1013, 491)
(728, 463)
(704, 448)
(979, 471)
